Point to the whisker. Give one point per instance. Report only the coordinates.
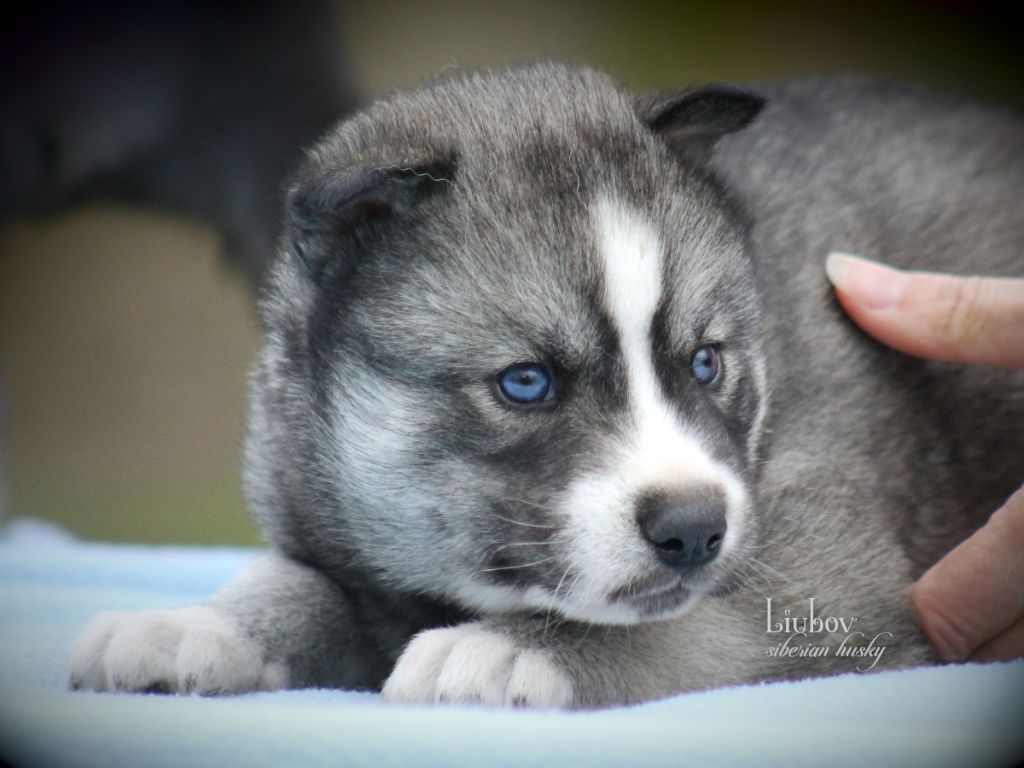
(768, 543)
(770, 569)
(534, 504)
(528, 525)
(514, 567)
(747, 581)
(526, 544)
(561, 580)
(590, 626)
(547, 615)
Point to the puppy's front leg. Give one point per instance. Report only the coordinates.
(279, 624)
(493, 662)
(541, 662)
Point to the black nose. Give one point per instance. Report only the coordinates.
(685, 531)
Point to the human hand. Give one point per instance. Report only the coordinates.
(971, 603)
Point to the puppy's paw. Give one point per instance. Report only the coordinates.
(473, 664)
(186, 650)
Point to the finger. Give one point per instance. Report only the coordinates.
(940, 317)
(976, 592)
(1008, 646)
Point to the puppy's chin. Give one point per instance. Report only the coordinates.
(655, 598)
(632, 606)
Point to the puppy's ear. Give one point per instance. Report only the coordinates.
(692, 122)
(329, 213)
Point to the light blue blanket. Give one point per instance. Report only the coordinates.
(50, 584)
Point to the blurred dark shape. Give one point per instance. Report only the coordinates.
(198, 108)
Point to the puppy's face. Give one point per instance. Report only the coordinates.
(532, 376)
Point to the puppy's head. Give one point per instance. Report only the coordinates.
(512, 352)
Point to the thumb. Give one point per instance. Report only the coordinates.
(940, 317)
(974, 594)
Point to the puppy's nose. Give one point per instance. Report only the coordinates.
(685, 531)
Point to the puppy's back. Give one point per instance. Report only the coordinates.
(922, 181)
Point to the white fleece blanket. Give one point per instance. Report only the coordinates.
(967, 715)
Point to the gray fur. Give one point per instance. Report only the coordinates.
(400, 494)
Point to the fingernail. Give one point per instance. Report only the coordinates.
(874, 285)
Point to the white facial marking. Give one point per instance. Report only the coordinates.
(756, 430)
(657, 453)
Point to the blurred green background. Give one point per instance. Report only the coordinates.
(125, 340)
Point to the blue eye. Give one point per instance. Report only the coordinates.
(525, 383)
(706, 365)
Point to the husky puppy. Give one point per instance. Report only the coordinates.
(556, 407)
